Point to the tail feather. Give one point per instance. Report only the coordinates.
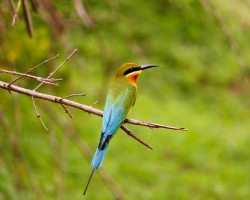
(90, 177)
(95, 164)
(98, 158)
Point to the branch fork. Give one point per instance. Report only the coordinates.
(64, 101)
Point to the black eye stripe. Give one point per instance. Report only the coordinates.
(130, 70)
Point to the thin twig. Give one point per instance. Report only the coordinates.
(69, 96)
(37, 114)
(12, 7)
(83, 14)
(35, 5)
(73, 95)
(31, 69)
(52, 73)
(15, 13)
(43, 81)
(28, 19)
(135, 137)
(152, 125)
(40, 79)
(94, 103)
(67, 111)
(47, 81)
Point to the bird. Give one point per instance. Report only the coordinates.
(120, 99)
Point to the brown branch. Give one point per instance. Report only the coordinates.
(69, 96)
(12, 7)
(83, 14)
(67, 111)
(35, 5)
(54, 18)
(40, 79)
(51, 75)
(152, 125)
(37, 114)
(135, 137)
(28, 19)
(85, 108)
(15, 16)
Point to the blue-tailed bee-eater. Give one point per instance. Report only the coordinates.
(119, 102)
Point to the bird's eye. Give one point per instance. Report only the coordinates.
(130, 70)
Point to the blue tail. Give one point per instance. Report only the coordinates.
(98, 158)
(96, 163)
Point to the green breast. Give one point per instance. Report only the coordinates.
(124, 92)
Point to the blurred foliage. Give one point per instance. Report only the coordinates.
(200, 86)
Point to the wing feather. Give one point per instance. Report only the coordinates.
(115, 112)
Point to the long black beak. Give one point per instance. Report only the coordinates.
(147, 66)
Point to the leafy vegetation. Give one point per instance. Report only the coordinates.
(200, 86)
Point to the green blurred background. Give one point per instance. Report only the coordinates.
(202, 85)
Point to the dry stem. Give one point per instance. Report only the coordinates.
(135, 137)
(37, 114)
(16, 13)
(47, 81)
(51, 74)
(67, 111)
(74, 95)
(31, 70)
(27, 17)
(85, 108)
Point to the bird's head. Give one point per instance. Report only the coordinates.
(131, 71)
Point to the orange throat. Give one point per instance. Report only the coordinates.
(132, 77)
